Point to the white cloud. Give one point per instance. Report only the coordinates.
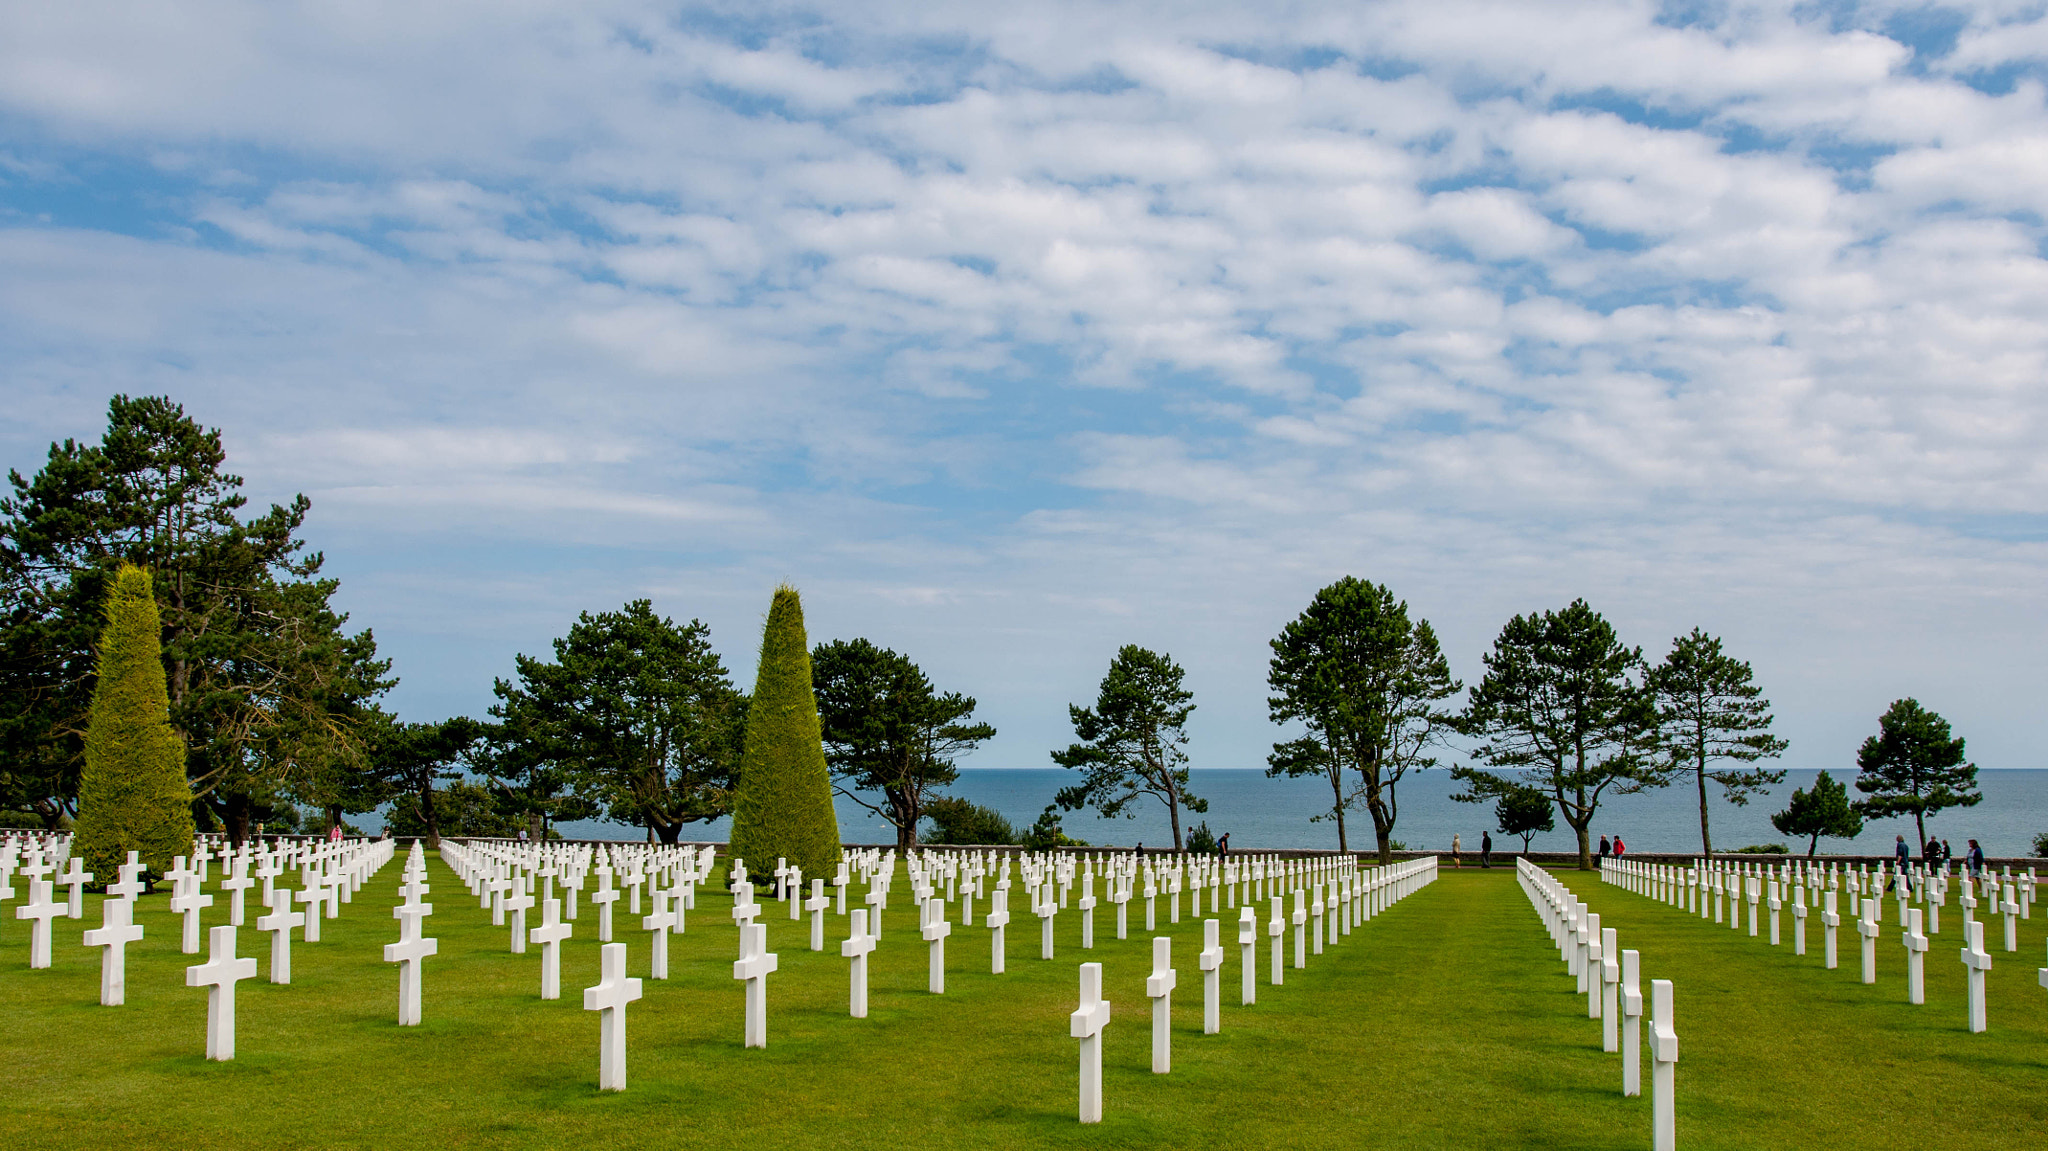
(1068, 322)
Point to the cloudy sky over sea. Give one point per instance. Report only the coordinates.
(1013, 333)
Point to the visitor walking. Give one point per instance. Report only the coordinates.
(1604, 847)
(1975, 860)
(1619, 850)
(1223, 845)
(1486, 849)
(1948, 855)
(1904, 856)
(1455, 861)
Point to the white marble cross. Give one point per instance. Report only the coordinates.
(1867, 927)
(660, 922)
(76, 879)
(1610, 991)
(188, 900)
(1589, 964)
(604, 897)
(280, 921)
(1086, 1024)
(2009, 906)
(237, 885)
(1916, 956)
(1211, 962)
(130, 884)
(754, 966)
(1799, 919)
(997, 919)
(816, 905)
(218, 975)
(550, 935)
(1663, 1068)
(1159, 988)
(1631, 1023)
(613, 991)
(1316, 908)
(40, 909)
(411, 948)
(1048, 907)
(857, 949)
(1829, 921)
(116, 931)
(1087, 906)
(935, 929)
(1978, 961)
(1276, 929)
(1248, 948)
(516, 905)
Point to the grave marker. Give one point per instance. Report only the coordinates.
(1086, 1024)
(613, 991)
(117, 930)
(280, 922)
(1916, 957)
(1977, 961)
(857, 949)
(1159, 988)
(1211, 961)
(410, 949)
(1664, 1067)
(754, 966)
(218, 975)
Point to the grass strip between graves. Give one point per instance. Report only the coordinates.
(1447, 1022)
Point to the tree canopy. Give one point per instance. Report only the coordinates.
(1368, 684)
(887, 730)
(783, 805)
(1524, 811)
(1710, 711)
(265, 687)
(1133, 742)
(1564, 705)
(1914, 766)
(636, 712)
(132, 794)
(1823, 811)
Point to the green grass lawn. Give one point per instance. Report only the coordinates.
(1447, 1022)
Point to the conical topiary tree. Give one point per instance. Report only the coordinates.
(783, 808)
(132, 794)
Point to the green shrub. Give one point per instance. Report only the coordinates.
(2041, 845)
(132, 794)
(783, 806)
(1762, 849)
(956, 821)
(463, 809)
(1201, 841)
(1046, 834)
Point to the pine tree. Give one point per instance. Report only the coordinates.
(132, 794)
(784, 805)
(1825, 810)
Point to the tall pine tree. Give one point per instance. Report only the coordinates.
(131, 793)
(783, 808)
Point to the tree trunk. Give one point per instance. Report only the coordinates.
(1706, 839)
(669, 832)
(1173, 807)
(1386, 838)
(536, 825)
(333, 818)
(1337, 804)
(430, 817)
(1585, 844)
(237, 821)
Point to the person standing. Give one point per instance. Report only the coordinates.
(1619, 850)
(1486, 849)
(1975, 860)
(1605, 847)
(1903, 858)
(1223, 846)
(1948, 854)
(1455, 861)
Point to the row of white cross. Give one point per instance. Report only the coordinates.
(499, 869)
(1611, 978)
(1690, 888)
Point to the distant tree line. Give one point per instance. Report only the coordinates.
(633, 717)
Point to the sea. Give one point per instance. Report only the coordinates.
(1259, 812)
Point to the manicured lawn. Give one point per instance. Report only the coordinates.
(1448, 1022)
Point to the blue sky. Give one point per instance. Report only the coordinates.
(1016, 334)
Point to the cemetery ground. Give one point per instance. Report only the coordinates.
(1448, 1021)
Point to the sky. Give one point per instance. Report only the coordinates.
(1011, 334)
